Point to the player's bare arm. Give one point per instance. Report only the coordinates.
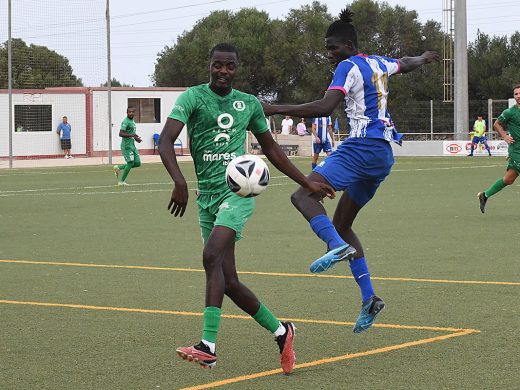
(313, 131)
(407, 64)
(331, 133)
(180, 195)
(276, 155)
(499, 127)
(322, 107)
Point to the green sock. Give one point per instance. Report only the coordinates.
(211, 323)
(266, 319)
(121, 167)
(498, 186)
(126, 171)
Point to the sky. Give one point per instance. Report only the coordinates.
(140, 29)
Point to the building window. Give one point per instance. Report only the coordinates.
(147, 110)
(32, 117)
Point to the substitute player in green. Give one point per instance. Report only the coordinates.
(217, 117)
(128, 137)
(508, 126)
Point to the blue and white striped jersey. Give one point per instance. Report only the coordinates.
(364, 81)
(322, 124)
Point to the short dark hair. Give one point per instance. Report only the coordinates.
(131, 108)
(223, 47)
(343, 27)
(516, 87)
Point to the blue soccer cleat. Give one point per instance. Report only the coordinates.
(344, 252)
(368, 314)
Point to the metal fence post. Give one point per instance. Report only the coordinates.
(10, 82)
(490, 119)
(431, 119)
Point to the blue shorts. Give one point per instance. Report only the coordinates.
(325, 146)
(479, 140)
(358, 166)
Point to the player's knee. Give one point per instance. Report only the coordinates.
(296, 198)
(210, 258)
(137, 164)
(304, 201)
(509, 180)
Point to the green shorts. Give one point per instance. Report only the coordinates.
(513, 162)
(223, 209)
(130, 154)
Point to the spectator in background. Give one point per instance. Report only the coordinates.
(63, 130)
(301, 128)
(287, 124)
(322, 137)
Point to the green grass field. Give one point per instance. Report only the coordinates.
(100, 284)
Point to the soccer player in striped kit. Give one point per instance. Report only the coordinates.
(322, 138)
(361, 162)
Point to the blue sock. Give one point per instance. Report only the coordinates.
(488, 149)
(313, 165)
(325, 230)
(472, 148)
(360, 272)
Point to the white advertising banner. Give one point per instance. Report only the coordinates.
(463, 148)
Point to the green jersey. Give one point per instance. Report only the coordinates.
(511, 119)
(128, 126)
(217, 130)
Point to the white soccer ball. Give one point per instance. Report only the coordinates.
(247, 175)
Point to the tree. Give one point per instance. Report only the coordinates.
(116, 83)
(186, 63)
(494, 66)
(284, 61)
(36, 67)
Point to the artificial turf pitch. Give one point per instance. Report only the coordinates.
(100, 284)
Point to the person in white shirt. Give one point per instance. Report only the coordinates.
(287, 125)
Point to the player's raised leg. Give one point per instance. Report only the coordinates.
(311, 208)
(371, 305)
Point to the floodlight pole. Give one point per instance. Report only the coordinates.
(461, 71)
(109, 83)
(10, 82)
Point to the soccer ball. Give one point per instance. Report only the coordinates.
(247, 175)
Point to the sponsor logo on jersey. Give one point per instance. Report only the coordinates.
(224, 157)
(221, 138)
(225, 120)
(239, 105)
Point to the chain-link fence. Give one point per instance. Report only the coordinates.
(60, 60)
(58, 49)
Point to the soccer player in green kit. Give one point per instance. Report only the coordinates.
(217, 117)
(508, 126)
(128, 149)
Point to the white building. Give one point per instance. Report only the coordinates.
(38, 112)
